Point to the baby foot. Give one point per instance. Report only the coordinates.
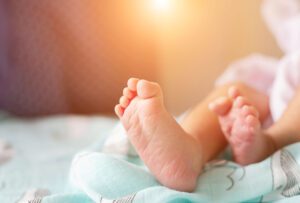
(240, 124)
(173, 156)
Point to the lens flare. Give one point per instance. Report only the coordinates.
(161, 5)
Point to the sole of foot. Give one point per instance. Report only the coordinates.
(173, 156)
(239, 121)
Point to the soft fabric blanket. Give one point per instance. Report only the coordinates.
(35, 155)
(35, 166)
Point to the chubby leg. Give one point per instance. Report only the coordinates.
(287, 129)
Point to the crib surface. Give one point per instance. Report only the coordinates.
(35, 154)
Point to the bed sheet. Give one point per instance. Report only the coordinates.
(36, 166)
(35, 155)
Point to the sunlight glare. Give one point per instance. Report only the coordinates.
(161, 5)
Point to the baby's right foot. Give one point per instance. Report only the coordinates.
(240, 124)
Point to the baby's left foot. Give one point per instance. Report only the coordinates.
(240, 124)
(172, 155)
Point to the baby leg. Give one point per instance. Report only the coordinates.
(287, 129)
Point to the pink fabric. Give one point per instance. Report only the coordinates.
(285, 85)
(283, 19)
(257, 71)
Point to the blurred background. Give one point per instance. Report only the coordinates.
(60, 57)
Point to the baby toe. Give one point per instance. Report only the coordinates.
(252, 121)
(240, 101)
(220, 106)
(132, 84)
(233, 92)
(253, 124)
(124, 101)
(147, 89)
(119, 110)
(249, 110)
(128, 93)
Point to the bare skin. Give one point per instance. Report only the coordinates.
(240, 124)
(239, 121)
(203, 124)
(287, 129)
(174, 153)
(174, 157)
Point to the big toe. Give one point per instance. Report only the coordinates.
(233, 92)
(146, 89)
(241, 101)
(132, 84)
(220, 106)
(252, 121)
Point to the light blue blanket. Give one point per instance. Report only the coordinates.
(35, 155)
(104, 177)
(37, 167)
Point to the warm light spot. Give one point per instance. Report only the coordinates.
(161, 5)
